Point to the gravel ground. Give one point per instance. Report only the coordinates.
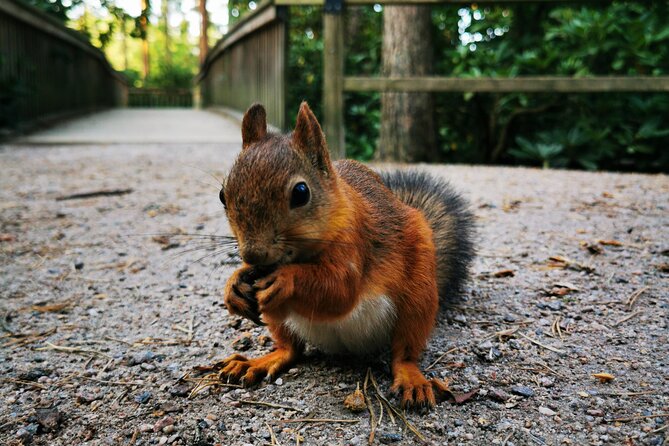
(101, 318)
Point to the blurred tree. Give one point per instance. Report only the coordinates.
(56, 8)
(204, 28)
(407, 119)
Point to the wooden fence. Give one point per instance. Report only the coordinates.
(48, 70)
(159, 97)
(230, 85)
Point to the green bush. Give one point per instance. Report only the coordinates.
(622, 131)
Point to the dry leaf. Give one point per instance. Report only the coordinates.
(604, 377)
(355, 402)
(459, 398)
(52, 308)
(563, 262)
(592, 248)
(4, 237)
(664, 267)
(610, 242)
(504, 273)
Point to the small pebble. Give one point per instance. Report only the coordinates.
(279, 382)
(145, 427)
(523, 391)
(168, 429)
(162, 423)
(388, 438)
(243, 343)
(78, 264)
(143, 398)
(163, 440)
(546, 411)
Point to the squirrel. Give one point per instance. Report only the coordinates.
(338, 256)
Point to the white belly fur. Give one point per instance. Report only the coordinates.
(368, 328)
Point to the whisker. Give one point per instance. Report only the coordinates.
(220, 183)
(181, 234)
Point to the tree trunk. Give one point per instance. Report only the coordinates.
(407, 119)
(144, 23)
(165, 12)
(204, 43)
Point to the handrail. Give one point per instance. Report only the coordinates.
(249, 65)
(42, 21)
(251, 22)
(49, 71)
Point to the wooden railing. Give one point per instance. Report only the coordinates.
(233, 91)
(249, 65)
(160, 97)
(48, 70)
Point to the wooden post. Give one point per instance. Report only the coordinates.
(333, 77)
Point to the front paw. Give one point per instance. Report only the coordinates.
(274, 290)
(240, 297)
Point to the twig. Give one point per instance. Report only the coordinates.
(263, 403)
(547, 347)
(318, 420)
(25, 383)
(646, 392)
(660, 429)
(641, 417)
(397, 412)
(500, 334)
(627, 318)
(370, 408)
(504, 442)
(93, 194)
(119, 340)
(63, 349)
(555, 328)
(438, 360)
(272, 435)
(632, 299)
(113, 383)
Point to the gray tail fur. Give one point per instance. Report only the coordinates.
(449, 217)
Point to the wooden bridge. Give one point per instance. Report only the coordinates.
(48, 71)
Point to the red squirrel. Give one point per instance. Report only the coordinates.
(339, 256)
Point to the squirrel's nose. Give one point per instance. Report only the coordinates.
(254, 256)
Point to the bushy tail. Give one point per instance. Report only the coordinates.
(449, 217)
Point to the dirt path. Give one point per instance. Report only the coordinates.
(101, 319)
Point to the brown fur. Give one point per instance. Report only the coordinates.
(355, 238)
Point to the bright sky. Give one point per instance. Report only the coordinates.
(218, 11)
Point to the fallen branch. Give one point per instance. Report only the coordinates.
(627, 318)
(63, 349)
(263, 403)
(632, 299)
(641, 417)
(318, 420)
(93, 194)
(547, 347)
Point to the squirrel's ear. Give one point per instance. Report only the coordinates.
(254, 125)
(309, 138)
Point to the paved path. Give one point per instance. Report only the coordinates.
(91, 274)
(137, 125)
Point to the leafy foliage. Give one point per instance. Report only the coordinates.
(626, 131)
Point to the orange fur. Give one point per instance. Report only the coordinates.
(368, 243)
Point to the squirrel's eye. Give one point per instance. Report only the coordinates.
(221, 196)
(300, 195)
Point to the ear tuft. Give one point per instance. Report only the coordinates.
(308, 137)
(254, 125)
